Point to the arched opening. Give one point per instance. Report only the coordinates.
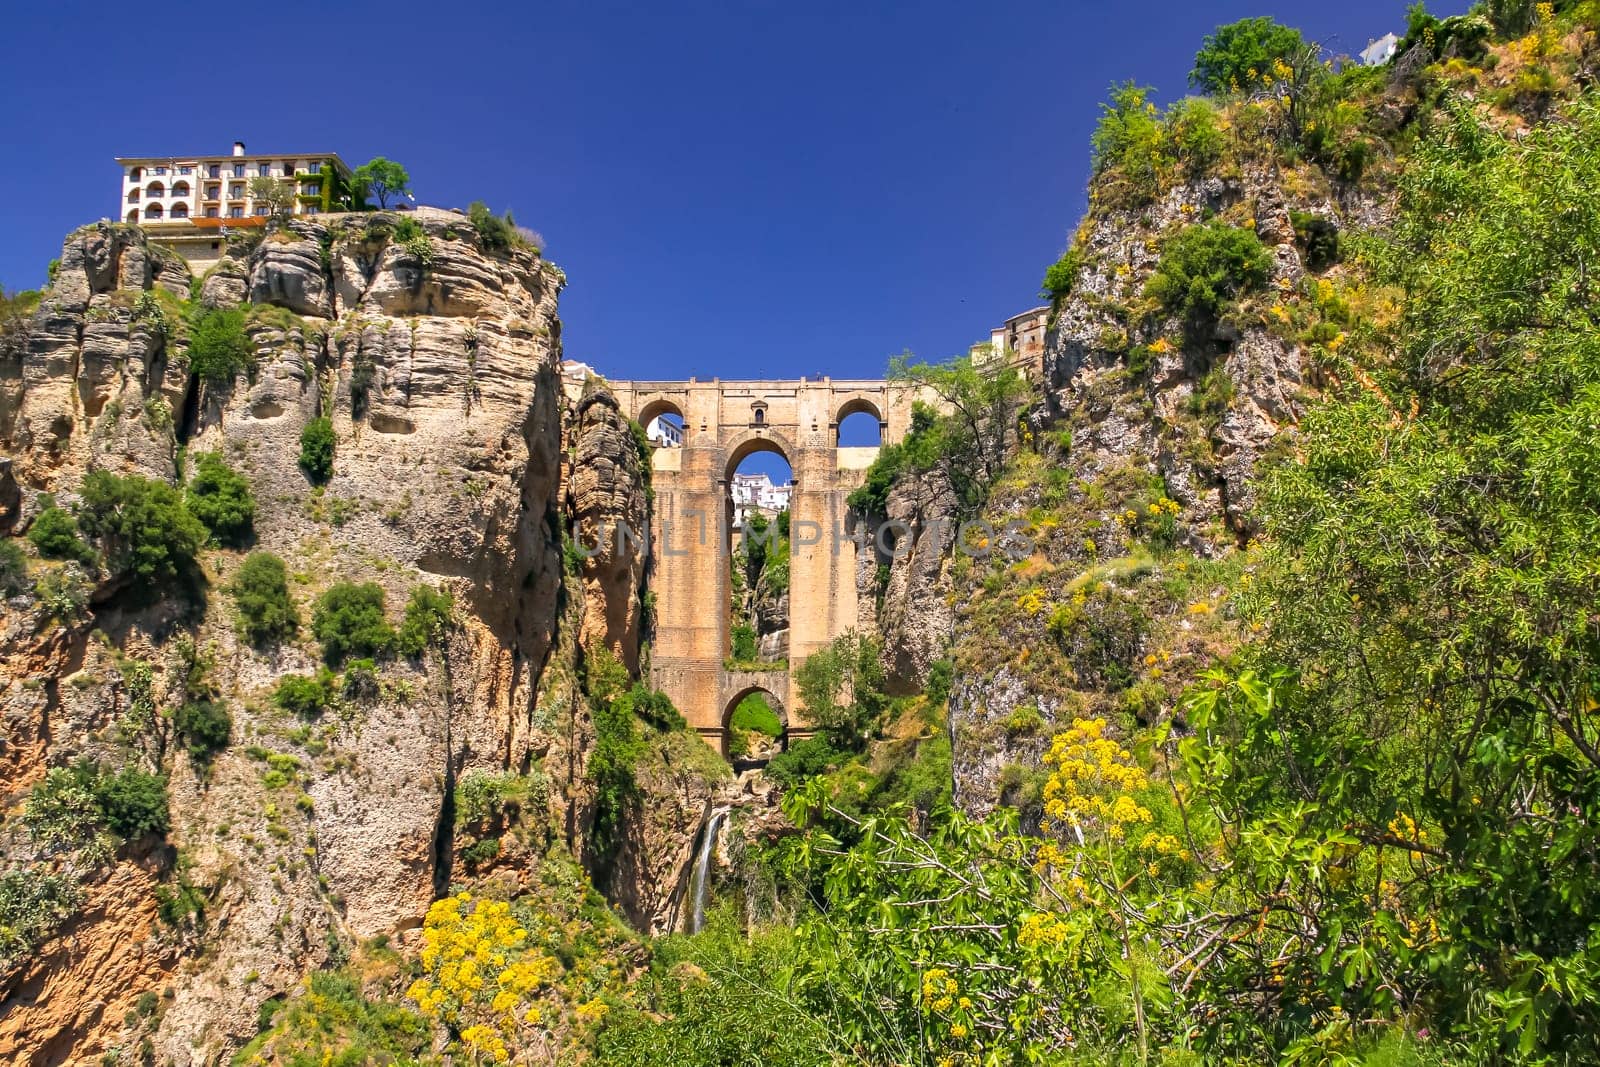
(152, 211)
(133, 215)
(180, 211)
(760, 485)
(155, 189)
(756, 726)
(860, 425)
(663, 424)
(180, 188)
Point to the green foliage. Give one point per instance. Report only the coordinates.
(13, 568)
(277, 195)
(1239, 56)
(205, 726)
(260, 591)
(617, 748)
(654, 707)
(1128, 139)
(360, 681)
(429, 616)
(219, 347)
(337, 1025)
(1206, 267)
(55, 535)
(1102, 635)
(317, 443)
(744, 643)
(306, 695)
(1062, 275)
(498, 233)
(804, 760)
(480, 852)
(219, 496)
(688, 1019)
(142, 526)
(380, 179)
(349, 620)
(842, 687)
(409, 234)
(74, 805)
(754, 713)
(64, 593)
(1194, 130)
(34, 901)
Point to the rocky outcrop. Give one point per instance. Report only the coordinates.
(608, 511)
(915, 618)
(440, 381)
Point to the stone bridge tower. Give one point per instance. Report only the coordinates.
(723, 423)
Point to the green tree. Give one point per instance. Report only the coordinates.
(13, 568)
(219, 496)
(381, 179)
(306, 695)
(205, 726)
(277, 195)
(1127, 143)
(1240, 57)
(219, 347)
(142, 526)
(317, 444)
(842, 687)
(349, 621)
(260, 591)
(134, 802)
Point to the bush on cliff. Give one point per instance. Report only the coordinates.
(261, 594)
(219, 496)
(1206, 267)
(349, 621)
(219, 347)
(55, 535)
(317, 443)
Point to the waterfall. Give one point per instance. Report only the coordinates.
(700, 884)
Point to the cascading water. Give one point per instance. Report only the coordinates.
(700, 885)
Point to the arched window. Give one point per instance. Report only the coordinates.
(156, 189)
(860, 425)
(152, 211)
(135, 173)
(663, 424)
(180, 188)
(133, 215)
(180, 211)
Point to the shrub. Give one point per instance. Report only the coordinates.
(55, 535)
(219, 347)
(478, 853)
(261, 593)
(307, 696)
(1207, 266)
(744, 642)
(494, 232)
(803, 760)
(13, 568)
(349, 620)
(63, 813)
(1195, 130)
(134, 803)
(428, 616)
(1128, 140)
(842, 687)
(1240, 57)
(205, 727)
(1062, 275)
(219, 496)
(654, 707)
(361, 681)
(64, 593)
(33, 902)
(146, 532)
(316, 450)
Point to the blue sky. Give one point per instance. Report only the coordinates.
(738, 189)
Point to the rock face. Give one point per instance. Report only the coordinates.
(608, 509)
(915, 619)
(436, 363)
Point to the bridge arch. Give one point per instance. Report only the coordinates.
(730, 730)
(748, 444)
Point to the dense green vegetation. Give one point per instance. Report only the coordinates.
(317, 444)
(219, 347)
(219, 497)
(75, 806)
(141, 525)
(1368, 835)
(380, 179)
(55, 535)
(260, 591)
(349, 620)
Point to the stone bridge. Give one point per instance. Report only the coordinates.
(723, 423)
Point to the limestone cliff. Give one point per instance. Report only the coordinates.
(435, 356)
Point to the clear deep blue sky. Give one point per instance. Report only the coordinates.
(735, 189)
